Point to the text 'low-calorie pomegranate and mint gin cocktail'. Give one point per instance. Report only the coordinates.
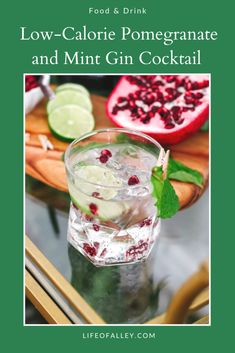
(113, 219)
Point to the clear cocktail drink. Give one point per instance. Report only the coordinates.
(113, 219)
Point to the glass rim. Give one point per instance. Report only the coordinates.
(95, 132)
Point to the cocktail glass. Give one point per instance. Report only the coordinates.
(112, 219)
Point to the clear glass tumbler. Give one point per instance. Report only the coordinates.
(112, 219)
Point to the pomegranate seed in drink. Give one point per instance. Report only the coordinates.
(106, 153)
(133, 180)
(93, 208)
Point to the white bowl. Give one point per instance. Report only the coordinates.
(34, 96)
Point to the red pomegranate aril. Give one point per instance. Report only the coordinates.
(90, 250)
(200, 85)
(96, 227)
(158, 83)
(169, 125)
(103, 159)
(154, 109)
(115, 110)
(93, 208)
(145, 119)
(151, 114)
(106, 153)
(160, 97)
(149, 99)
(136, 250)
(30, 82)
(163, 112)
(198, 95)
(122, 99)
(188, 85)
(179, 82)
(96, 195)
(176, 111)
(148, 222)
(180, 121)
(169, 78)
(133, 180)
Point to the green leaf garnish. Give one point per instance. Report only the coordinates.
(178, 171)
(166, 200)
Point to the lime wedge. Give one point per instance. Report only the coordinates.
(107, 208)
(70, 121)
(69, 97)
(74, 87)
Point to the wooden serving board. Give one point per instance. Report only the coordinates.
(48, 167)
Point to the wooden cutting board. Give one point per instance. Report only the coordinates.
(48, 167)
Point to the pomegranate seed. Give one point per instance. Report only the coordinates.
(169, 78)
(122, 99)
(115, 110)
(96, 227)
(159, 83)
(145, 120)
(90, 250)
(96, 195)
(176, 112)
(93, 208)
(103, 159)
(154, 109)
(88, 218)
(198, 95)
(106, 153)
(163, 112)
(180, 121)
(169, 126)
(138, 249)
(179, 82)
(133, 180)
(146, 222)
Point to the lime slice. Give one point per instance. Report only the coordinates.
(70, 122)
(108, 209)
(101, 176)
(74, 87)
(69, 97)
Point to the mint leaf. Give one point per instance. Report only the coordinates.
(166, 200)
(178, 171)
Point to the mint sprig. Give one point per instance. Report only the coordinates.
(179, 171)
(165, 197)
